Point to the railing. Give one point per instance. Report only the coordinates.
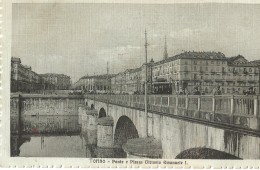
(238, 110)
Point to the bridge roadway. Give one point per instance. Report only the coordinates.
(226, 124)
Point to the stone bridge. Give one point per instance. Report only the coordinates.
(182, 126)
(173, 126)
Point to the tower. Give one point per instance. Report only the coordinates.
(165, 54)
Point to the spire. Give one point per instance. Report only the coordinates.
(165, 54)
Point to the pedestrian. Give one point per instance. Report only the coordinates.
(196, 91)
(186, 91)
(217, 91)
(250, 91)
(181, 92)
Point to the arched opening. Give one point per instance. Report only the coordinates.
(86, 103)
(204, 153)
(92, 107)
(125, 129)
(102, 113)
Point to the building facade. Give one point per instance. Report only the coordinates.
(94, 84)
(206, 71)
(57, 81)
(132, 81)
(188, 72)
(23, 79)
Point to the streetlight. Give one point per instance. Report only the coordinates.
(145, 85)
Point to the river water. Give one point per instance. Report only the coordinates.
(56, 136)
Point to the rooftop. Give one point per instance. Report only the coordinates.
(53, 74)
(27, 67)
(16, 59)
(194, 55)
(240, 61)
(102, 76)
(256, 62)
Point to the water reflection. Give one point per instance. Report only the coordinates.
(56, 136)
(51, 124)
(53, 146)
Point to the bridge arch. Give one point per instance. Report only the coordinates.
(204, 153)
(102, 113)
(125, 129)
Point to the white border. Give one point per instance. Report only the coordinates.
(6, 161)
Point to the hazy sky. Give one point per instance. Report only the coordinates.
(78, 39)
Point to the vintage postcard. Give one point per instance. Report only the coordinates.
(170, 84)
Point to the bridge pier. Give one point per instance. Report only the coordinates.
(89, 125)
(81, 108)
(105, 132)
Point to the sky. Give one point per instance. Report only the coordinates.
(79, 39)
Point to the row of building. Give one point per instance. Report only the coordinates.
(96, 83)
(24, 79)
(203, 71)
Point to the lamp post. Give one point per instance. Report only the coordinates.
(107, 89)
(94, 88)
(145, 84)
(259, 79)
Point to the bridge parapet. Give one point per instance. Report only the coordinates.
(236, 110)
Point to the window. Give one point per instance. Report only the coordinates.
(195, 68)
(250, 70)
(195, 62)
(212, 62)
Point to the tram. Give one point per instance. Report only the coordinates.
(161, 86)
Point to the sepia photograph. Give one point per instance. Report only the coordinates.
(145, 81)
